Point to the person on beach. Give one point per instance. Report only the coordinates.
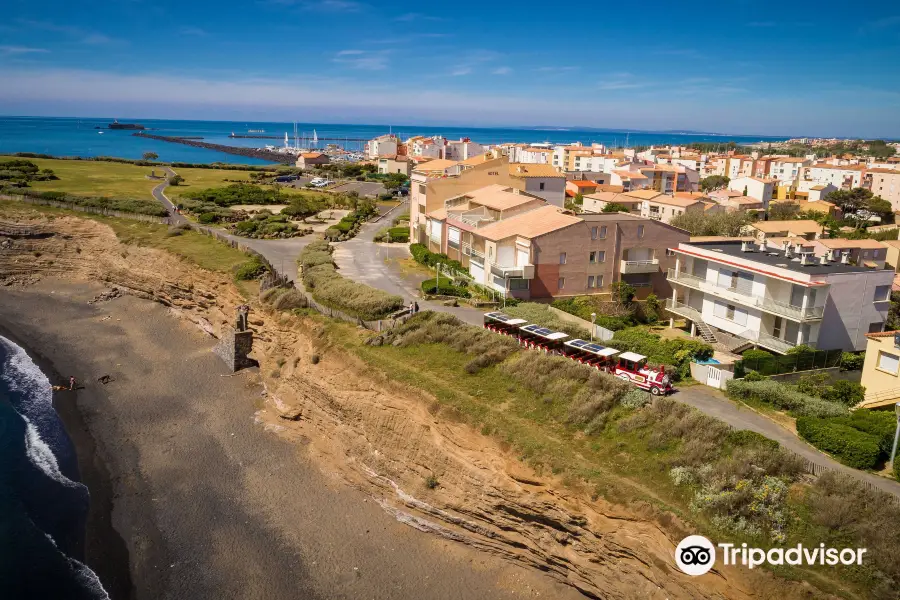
(72, 382)
(415, 307)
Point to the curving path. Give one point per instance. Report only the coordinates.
(364, 261)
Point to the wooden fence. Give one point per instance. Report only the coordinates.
(96, 210)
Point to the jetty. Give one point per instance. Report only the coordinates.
(287, 159)
(276, 137)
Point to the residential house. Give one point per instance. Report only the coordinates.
(743, 294)
(842, 177)
(787, 169)
(881, 370)
(312, 159)
(580, 186)
(754, 187)
(734, 201)
(629, 180)
(661, 207)
(598, 201)
(530, 155)
(892, 256)
(871, 254)
(541, 180)
(395, 164)
(384, 145)
(804, 228)
(462, 149)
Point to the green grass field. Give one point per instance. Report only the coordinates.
(201, 179)
(95, 178)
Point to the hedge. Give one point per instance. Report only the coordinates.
(444, 288)
(877, 423)
(897, 468)
(328, 287)
(848, 445)
(784, 398)
(141, 206)
(422, 255)
(852, 362)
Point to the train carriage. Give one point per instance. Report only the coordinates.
(499, 322)
(589, 353)
(543, 339)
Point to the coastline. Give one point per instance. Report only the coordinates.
(104, 550)
(206, 500)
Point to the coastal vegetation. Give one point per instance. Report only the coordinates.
(143, 206)
(599, 435)
(321, 278)
(265, 225)
(699, 223)
(398, 234)
(349, 225)
(19, 172)
(96, 178)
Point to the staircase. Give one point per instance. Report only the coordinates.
(705, 332)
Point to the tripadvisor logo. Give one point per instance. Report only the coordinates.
(696, 555)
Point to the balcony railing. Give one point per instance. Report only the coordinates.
(770, 341)
(640, 266)
(742, 295)
(522, 272)
(683, 310)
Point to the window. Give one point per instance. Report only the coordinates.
(562, 258)
(603, 232)
(593, 233)
(593, 257)
(599, 281)
(542, 186)
(882, 293)
(670, 252)
(876, 327)
(601, 256)
(590, 281)
(640, 231)
(888, 362)
(421, 188)
(561, 283)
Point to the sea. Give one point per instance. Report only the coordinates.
(74, 136)
(43, 506)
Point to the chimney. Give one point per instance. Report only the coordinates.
(806, 259)
(746, 246)
(824, 259)
(845, 257)
(798, 247)
(785, 245)
(787, 252)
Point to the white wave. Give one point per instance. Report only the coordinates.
(42, 456)
(23, 376)
(83, 574)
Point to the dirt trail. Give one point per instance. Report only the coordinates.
(381, 437)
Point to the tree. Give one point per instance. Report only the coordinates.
(623, 292)
(176, 180)
(615, 207)
(303, 208)
(579, 198)
(393, 181)
(850, 200)
(713, 182)
(783, 211)
(719, 223)
(745, 190)
(150, 155)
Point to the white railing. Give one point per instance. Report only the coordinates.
(795, 313)
(640, 266)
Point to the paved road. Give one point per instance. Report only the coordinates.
(713, 403)
(160, 196)
(362, 260)
(363, 188)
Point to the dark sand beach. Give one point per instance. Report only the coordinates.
(193, 499)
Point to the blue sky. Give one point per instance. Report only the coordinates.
(761, 67)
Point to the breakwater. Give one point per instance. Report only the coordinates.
(251, 136)
(286, 159)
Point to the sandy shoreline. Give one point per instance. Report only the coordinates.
(193, 499)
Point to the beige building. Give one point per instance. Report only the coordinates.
(881, 370)
(892, 256)
(598, 201)
(862, 253)
(661, 207)
(526, 249)
(312, 159)
(395, 164)
(885, 183)
(805, 228)
(758, 188)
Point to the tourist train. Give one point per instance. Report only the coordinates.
(628, 366)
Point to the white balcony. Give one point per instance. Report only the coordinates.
(521, 272)
(742, 296)
(629, 267)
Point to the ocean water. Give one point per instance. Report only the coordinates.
(78, 137)
(43, 506)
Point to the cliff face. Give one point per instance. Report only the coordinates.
(383, 438)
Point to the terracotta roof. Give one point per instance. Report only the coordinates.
(804, 225)
(838, 243)
(500, 197)
(531, 224)
(839, 168)
(882, 334)
(477, 160)
(630, 175)
(892, 243)
(608, 187)
(886, 171)
(672, 201)
(439, 214)
(696, 195)
(645, 194)
(529, 170)
(789, 160)
(438, 164)
(582, 183)
(312, 155)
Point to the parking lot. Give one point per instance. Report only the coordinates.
(369, 189)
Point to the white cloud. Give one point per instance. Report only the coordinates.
(196, 31)
(462, 70)
(6, 50)
(363, 60)
(501, 71)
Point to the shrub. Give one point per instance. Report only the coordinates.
(848, 393)
(878, 423)
(312, 258)
(754, 376)
(852, 362)
(756, 354)
(331, 289)
(252, 269)
(848, 445)
(290, 300)
(783, 397)
(444, 288)
(635, 399)
(897, 468)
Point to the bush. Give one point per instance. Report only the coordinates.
(756, 354)
(328, 287)
(252, 269)
(754, 376)
(852, 362)
(289, 300)
(878, 423)
(444, 288)
(848, 445)
(897, 468)
(848, 393)
(783, 397)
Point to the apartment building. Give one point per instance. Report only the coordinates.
(544, 252)
(743, 294)
(580, 186)
(598, 201)
(437, 180)
(871, 254)
(529, 155)
(885, 183)
(881, 370)
(661, 207)
(843, 177)
(629, 180)
(462, 149)
(395, 164)
(892, 258)
(384, 145)
(758, 188)
(787, 169)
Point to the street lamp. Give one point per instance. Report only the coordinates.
(896, 432)
(593, 320)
